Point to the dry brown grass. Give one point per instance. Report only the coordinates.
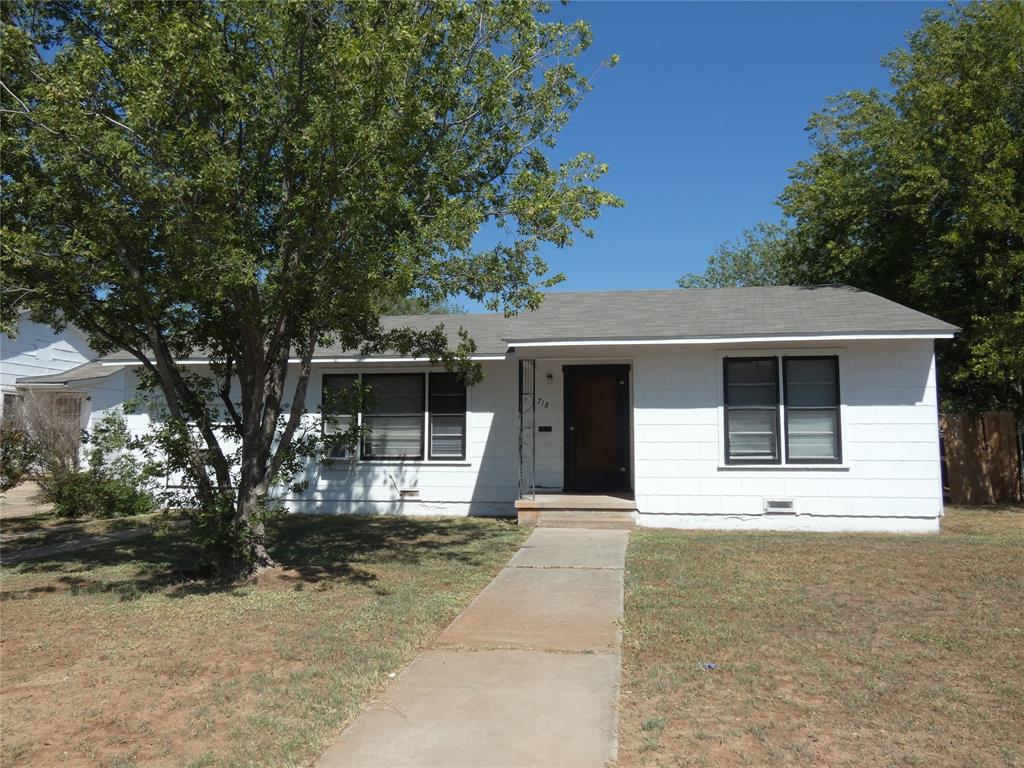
(113, 658)
(832, 650)
(44, 530)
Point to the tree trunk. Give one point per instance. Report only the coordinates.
(253, 556)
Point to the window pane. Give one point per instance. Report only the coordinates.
(812, 421)
(394, 416)
(396, 437)
(337, 395)
(751, 382)
(811, 383)
(752, 406)
(446, 433)
(447, 394)
(812, 434)
(447, 416)
(395, 393)
(752, 434)
(69, 408)
(812, 408)
(337, 425)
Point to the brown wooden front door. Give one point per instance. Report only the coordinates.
(596, 427)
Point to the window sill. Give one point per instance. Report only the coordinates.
(783, 467)
(349, 463)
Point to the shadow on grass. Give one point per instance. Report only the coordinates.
(309, 550)
(39, 522)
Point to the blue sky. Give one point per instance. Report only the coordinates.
(704, 116)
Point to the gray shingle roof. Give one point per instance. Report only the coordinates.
(488, 330)
(720, 313)
(94, 369)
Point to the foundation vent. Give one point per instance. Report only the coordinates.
(779, 507)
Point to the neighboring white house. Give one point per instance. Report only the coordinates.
(38, 350)
(764, 408)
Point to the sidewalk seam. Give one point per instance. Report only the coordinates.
(568, 567)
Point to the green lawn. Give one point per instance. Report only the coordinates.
(113, 657)
(837, 650)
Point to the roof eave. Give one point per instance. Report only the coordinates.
(320, 360)
(757, 338)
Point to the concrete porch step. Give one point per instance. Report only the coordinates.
(576, 518)
(577, 510)
(614, 522)
(578, 501)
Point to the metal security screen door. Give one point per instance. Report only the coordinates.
(596, 428)
(527, 428)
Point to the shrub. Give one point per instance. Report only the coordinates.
(16, 454)
(39, 436)
(115, 483)
(85, 493)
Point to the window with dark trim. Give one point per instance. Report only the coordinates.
(398, 410)
(447, 408)
(806, 407)
(393, 416)
(811, 391)
(752, 410)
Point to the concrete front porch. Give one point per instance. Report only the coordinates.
(577, 510)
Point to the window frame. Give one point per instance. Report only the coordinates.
(430, 419)
(357, 417)
(774, 359)
(837, 408)
(425, 456)
(423, 416)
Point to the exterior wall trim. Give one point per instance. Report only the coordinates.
(730, 339)
(317, 361)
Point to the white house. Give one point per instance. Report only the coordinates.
(765, 408)
(37, 350)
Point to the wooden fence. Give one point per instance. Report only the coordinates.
(981, 457)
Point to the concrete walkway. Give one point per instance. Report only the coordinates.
(527, 675)
(22, 501)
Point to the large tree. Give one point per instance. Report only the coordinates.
(918, 194)
(247, 180)
(754, 259)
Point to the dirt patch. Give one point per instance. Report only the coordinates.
(109, 658)
(22, 501)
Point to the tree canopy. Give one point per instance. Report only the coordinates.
(417, 305)
(248, 180)
(918, 195)
(754, 259)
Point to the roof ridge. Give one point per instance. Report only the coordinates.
(718, 288)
